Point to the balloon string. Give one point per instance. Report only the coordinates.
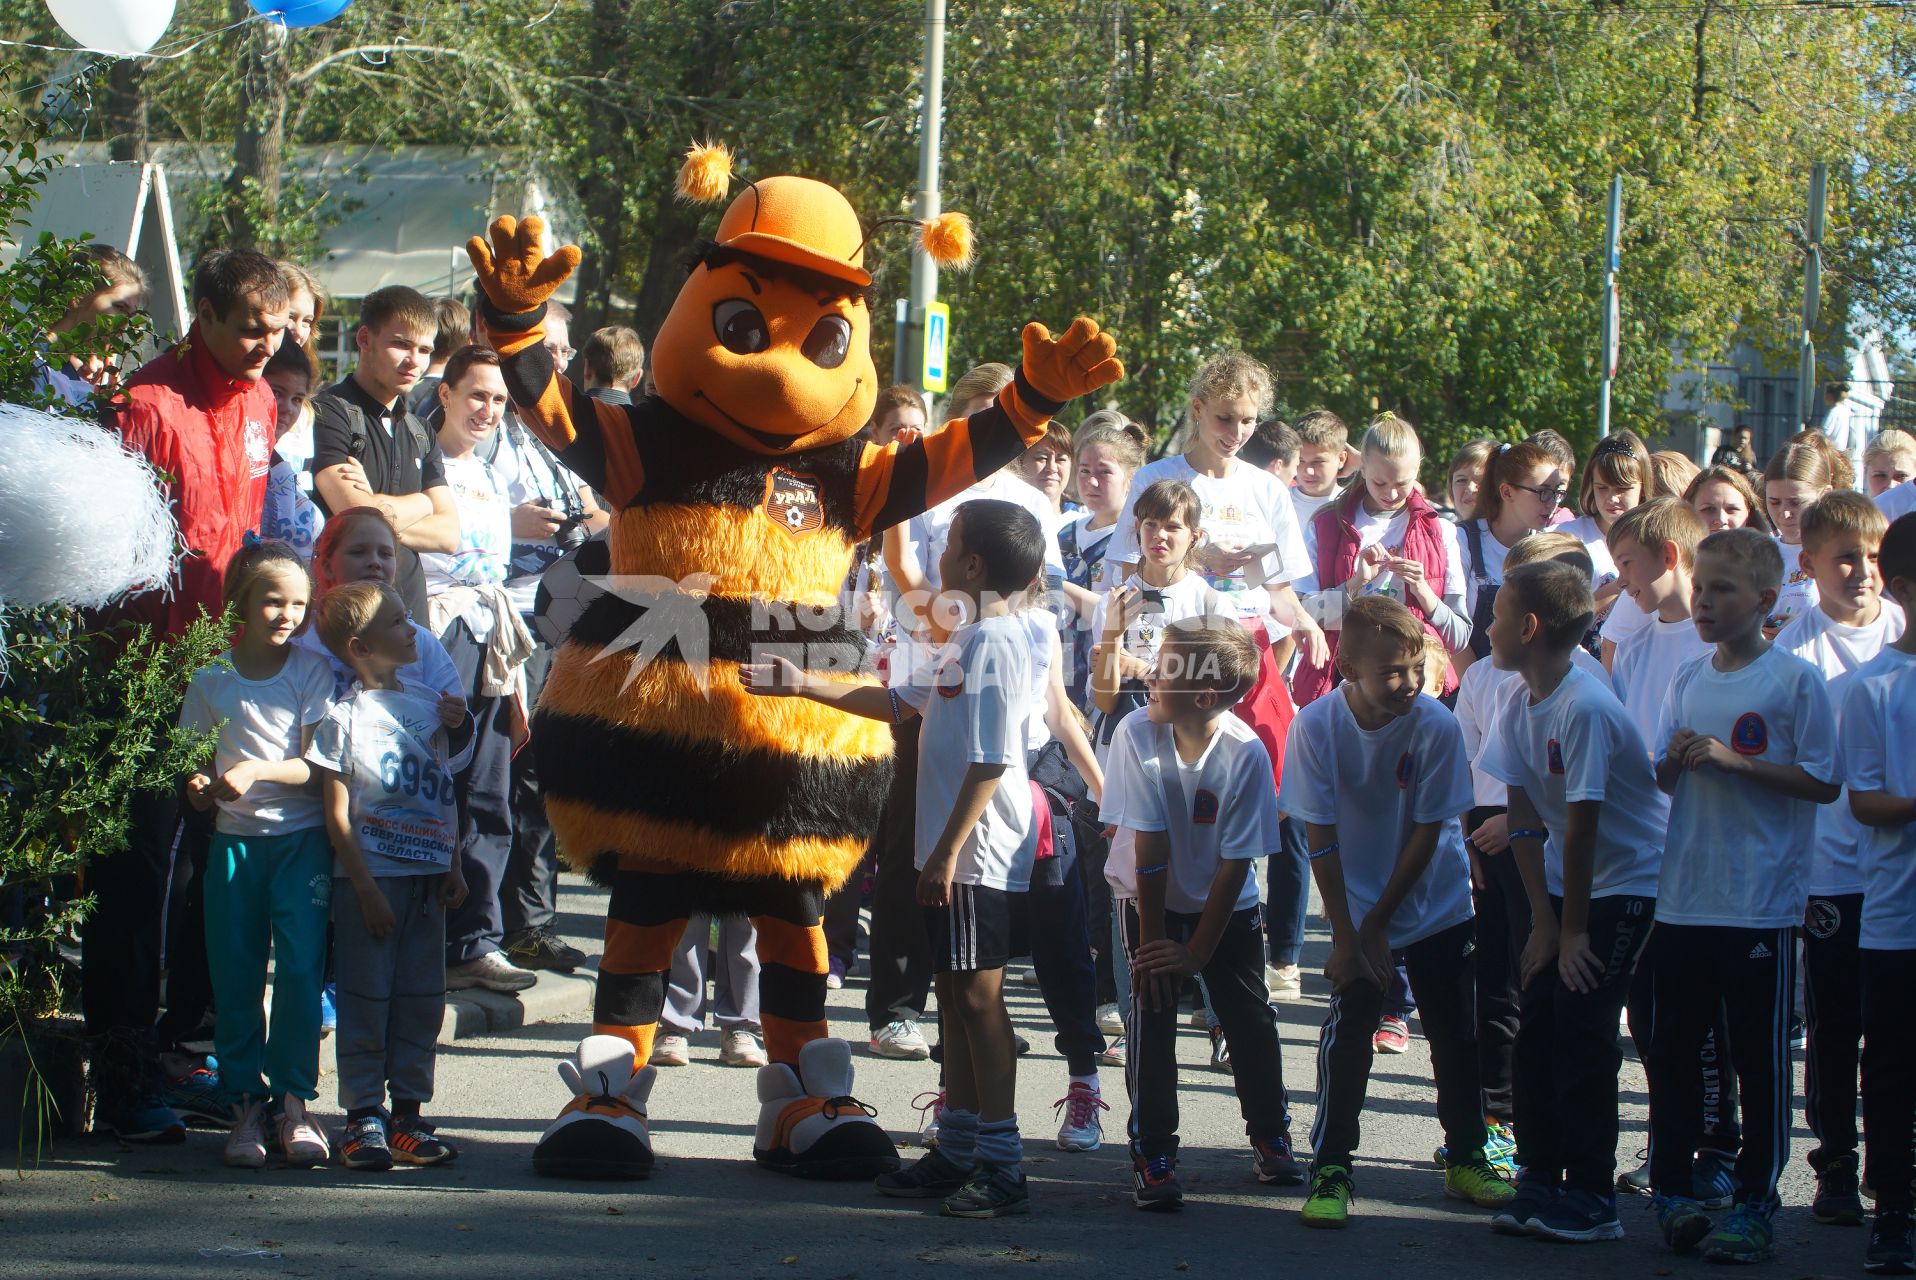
(151, 53)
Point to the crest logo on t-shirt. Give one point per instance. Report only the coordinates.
(793, 502)
(1553, 756)
(1204, 809)
(1823, 919)
(1406, 770)
(1751, 737)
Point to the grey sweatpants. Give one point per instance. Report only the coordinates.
(392, 992)
(734, 1004)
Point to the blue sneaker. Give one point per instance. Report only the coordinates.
(1745, 1235)
(142, 1118)
(1682, 1221)
(328, 1009)
(1713, 1179)
(196, 1097)
(1578, 1216)
(1521, 1212)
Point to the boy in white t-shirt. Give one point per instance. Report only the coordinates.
(973, 845)
(1879, 754)
(387, 792)
(1842, 535)
(1192, 784)
(1746, 749)
(1587, 841)
(1377, 772)
(1654, 546)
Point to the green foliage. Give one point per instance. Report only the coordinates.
(86, 715)
(1398, 205)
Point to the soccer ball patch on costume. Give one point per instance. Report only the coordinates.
(1553, 756)
(1751, 737)
(1204, 809)
(793, 503)
(1406, 770)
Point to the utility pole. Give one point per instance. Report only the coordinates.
(924, 272)
(1610, 305)
(1812, 287)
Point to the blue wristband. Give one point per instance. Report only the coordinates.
(1158, 870)
(1530, 833)
(897, 716)
(1325, 852)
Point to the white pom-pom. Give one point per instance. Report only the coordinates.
(82, 521)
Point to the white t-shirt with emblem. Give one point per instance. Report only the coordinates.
(1221, 806)
(1738, 853)
(1879, 754)
(928, 531)
(1838, 651)
(974, 696)
(1249, 507)
(1478, 695)
(391, 749)
(1579, 744)
(1374, 785)
(1645, 665)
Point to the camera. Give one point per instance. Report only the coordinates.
(570, 535)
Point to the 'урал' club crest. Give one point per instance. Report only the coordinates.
(792, 502)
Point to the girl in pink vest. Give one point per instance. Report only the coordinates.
(1380, 537)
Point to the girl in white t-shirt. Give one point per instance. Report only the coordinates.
(1797, 476)
(269, 866)
(1252, 549)
(1109, 450)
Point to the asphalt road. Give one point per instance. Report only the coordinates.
(96, 1209)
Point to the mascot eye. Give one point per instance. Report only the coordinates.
(829, 342)
(739, 327)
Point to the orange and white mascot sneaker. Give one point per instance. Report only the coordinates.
(602, 1132)
(809, 1123)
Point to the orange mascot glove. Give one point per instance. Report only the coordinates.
(1079, 362)
(514, 271)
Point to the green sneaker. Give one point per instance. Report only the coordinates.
(1329, 1203)
(1682, 1221)
(1743, 1237)
(1477, 1180)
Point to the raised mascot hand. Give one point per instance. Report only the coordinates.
(1074, 364)
(513, 270)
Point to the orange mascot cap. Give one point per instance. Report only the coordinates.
(800, 222)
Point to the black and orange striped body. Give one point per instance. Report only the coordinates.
(669, 765)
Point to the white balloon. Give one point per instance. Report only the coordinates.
(125, 27)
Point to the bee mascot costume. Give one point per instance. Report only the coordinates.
(665, 778)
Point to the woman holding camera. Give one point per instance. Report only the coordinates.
(474, 617)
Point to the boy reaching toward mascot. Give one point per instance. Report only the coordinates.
(667, 780)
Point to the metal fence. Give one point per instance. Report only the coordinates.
(1769, 407)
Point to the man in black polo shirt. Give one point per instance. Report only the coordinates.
(368, 448)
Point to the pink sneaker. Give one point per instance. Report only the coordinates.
(301, 1137)
(1393, 1036)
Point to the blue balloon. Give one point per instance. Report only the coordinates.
(300, 13)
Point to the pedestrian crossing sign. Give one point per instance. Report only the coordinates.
(937, 345)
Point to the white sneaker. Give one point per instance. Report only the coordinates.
(741, 1049)
(900, 1039)
(1081, 1130)
(246, 1145)
(1198, 1021)
(1110, 1021)
(1114, 1055)
(300, 1136)
(492, 971)
(930, 1107)
(670, 1051)
(1286, 983)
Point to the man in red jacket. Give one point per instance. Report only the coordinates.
(205, 419)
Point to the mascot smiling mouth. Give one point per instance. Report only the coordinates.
(767, 438)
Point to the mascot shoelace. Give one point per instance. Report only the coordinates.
(740, 492)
